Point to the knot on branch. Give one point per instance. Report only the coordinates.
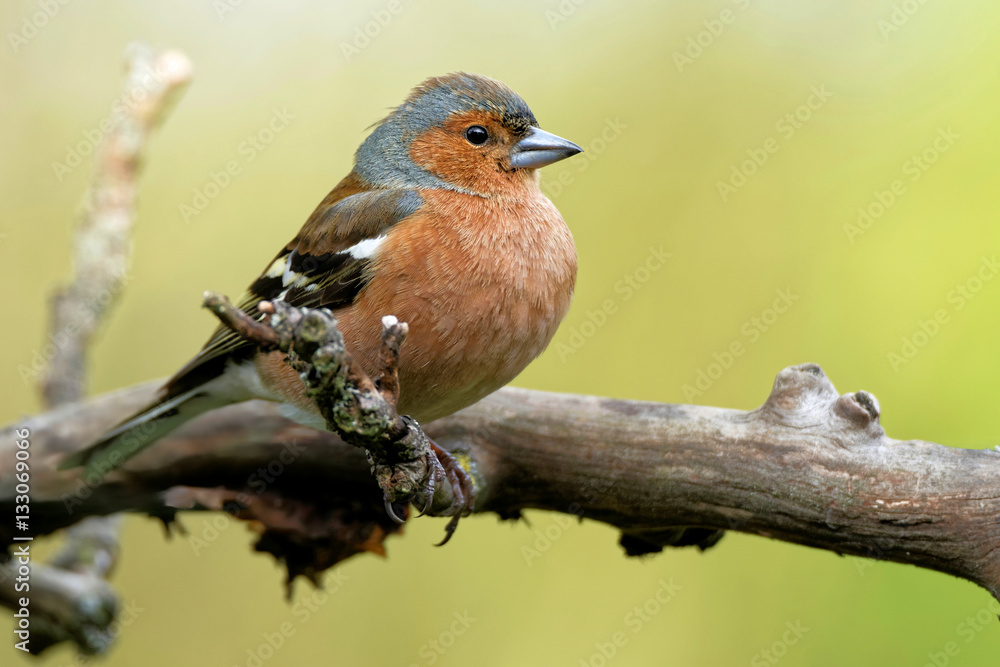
(860, 408)
(802, 396)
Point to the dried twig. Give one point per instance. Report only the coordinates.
(234, 318)
(70, 597)
(102, 247)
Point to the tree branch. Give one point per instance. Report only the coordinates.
(808, 467)
(70, 598)
(102, 247)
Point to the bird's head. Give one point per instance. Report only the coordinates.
(463, 132)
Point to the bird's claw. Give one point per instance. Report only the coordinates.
(433, 470)
(390, 510)
(441, 466)
(463, 492)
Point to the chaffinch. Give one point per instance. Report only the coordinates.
(442, 224)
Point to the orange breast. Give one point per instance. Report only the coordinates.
(483, 285)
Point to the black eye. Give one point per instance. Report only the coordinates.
(477, 135)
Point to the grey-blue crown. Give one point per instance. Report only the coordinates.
(383, 158)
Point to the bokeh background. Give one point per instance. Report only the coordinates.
(667, 98)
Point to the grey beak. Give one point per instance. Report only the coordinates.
(540, 148)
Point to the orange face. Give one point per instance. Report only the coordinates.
(472, 149)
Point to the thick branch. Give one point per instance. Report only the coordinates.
(807, 467)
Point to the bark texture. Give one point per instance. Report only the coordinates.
(809, 466)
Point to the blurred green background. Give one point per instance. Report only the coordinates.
(668, 98)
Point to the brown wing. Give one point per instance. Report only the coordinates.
(325, 266)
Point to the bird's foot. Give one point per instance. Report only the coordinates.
(444, 466)
(420, 481)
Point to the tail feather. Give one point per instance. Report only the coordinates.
(141, 430)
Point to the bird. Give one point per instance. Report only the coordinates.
(441, 223)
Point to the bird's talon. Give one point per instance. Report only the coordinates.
(440, 464)
(392, 512)
(463, 492)
(449, 530)
(428, 494)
